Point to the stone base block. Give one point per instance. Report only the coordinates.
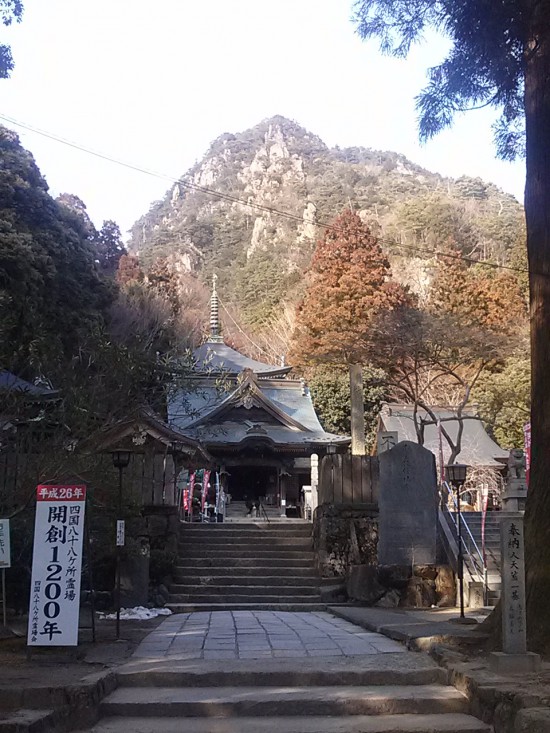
(475, 595)
(502, 663)
(362, 584)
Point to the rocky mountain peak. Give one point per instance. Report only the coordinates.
(250, 210)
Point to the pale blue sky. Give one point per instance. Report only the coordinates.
(153, 83)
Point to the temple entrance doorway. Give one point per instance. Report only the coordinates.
(253, 482)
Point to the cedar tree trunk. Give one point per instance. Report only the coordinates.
(537, 211)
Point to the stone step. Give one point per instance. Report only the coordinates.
(276, 520)
(247, 596)
(193, 607)
(191, 550)
(243, 562)
(241, 529)
(314, 672)
(255, 701)
(184, 592)
(28, 721)
(299, 575)
(452, 723)
(276, 528)
(239, 539)
(206, 580)
(241, 504)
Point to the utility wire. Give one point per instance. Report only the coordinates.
(262, 351)
(252, 205)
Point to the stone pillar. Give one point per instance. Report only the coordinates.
(314, 481)
(282, 488)
(357, 410)
(514, 657)
(308, 509)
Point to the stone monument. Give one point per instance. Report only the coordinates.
(408, 506)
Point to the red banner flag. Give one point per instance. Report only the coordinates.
(205, 485)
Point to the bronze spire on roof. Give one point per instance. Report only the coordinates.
(214, 314)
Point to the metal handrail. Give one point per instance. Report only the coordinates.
(262, 508)
(482, 575)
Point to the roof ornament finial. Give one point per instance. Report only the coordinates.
(214, 314)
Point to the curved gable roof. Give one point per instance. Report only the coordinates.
(215, 356)
(477, 449)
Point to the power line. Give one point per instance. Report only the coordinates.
(262, 351)
(253, 205)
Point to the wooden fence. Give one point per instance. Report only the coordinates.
(345, 479)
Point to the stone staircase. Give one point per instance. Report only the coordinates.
(245, 566)
(236, 511)
(398, 695)
(473, 566)
(492, 548)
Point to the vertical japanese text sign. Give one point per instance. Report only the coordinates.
(514, 636)
(5, 555)
(56, 566)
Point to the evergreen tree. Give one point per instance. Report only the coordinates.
(349, 285)
(10, 10)
(50, 291)
(75, 205)
(500, 55)
(330, 393)
(109, 247)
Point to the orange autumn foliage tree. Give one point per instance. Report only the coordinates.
(478, 295)
(348, 286)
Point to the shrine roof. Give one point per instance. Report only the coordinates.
(215, 356)
(478, 448)
(205, 413)
(11, 382)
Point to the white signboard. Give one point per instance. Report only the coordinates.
(56, 566)
(5, 553)
(120, 532)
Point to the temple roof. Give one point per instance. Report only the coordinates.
(132, 433)
(258, 405)
(281, 413)
(214, 356)
(478, 448)
(11, 382)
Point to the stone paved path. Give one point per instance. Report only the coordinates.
(220, 635)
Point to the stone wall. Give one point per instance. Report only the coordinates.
(344, 535)
(149, 556)
(345, 539)
(390, 586)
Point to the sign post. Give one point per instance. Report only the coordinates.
(5, 561)
(56, 566)
(514, 657)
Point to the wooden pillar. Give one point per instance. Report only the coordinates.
(357, 410)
